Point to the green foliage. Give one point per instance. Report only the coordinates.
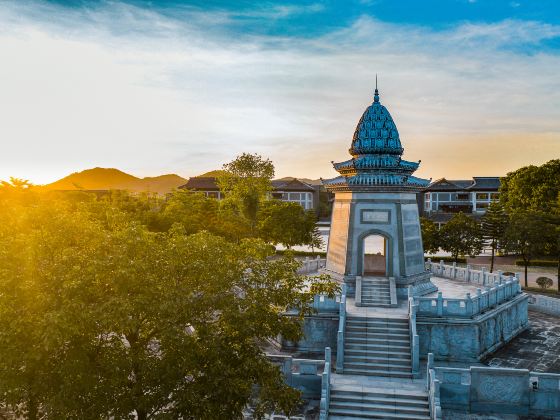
(246, 184)
(493, 225)
(535, 188)
(544, 282)
(101, 317)
(461, 236)
(528, 235)
(430, 236)
(286, 223)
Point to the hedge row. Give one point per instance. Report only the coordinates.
(538, 263)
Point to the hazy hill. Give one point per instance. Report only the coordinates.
(110, 178)
(306, 180)
(214, 173)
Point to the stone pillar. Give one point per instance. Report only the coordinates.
(468, 273)
(439, 304)
(484, 276)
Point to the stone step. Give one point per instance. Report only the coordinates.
(378, 372)
(344, 413)
(390, 355)
(383, 391)
(387, 341)
(380, 348)
(351, 358)
(378, 319)
(377, 406)
(378, 324)
(379, 329)
(375, 334)
(367, 366)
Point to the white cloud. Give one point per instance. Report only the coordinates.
(126, 87)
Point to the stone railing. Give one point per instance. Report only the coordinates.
(325, 387)
(545, 304)
(467, 274)
(414, 339)
(498, 390)
(433, 385)
(469, 306)
(302, 374)
(312, 265)
(325, 304)
(341, 331)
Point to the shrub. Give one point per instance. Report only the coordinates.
(544, 282)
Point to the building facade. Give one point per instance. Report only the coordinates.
(289, 189)
(443, 198)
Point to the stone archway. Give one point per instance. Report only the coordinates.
(374, 255)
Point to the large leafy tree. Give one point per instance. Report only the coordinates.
(528, 235)
(101, 317)
(430, 236)
(285, 223)
(461, 236)
(493, 225)
(246, 183)
(536, 189)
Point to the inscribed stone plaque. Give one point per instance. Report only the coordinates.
(375, 216)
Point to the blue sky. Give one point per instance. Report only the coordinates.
(181, 87)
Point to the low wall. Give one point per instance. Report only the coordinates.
(498, 390)
(312, 265)
(545, 304)
(302, 374)
(471, 339)
(319, 331)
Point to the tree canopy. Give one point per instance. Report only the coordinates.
(461, 236)
(102, 316)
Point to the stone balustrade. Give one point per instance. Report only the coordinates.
(433, 386)
(466, 274)
(325, 387)
(498, 289)
(302, 374)
(495, 390)
(470, 306)
(341, 331)
(546, 304)
(414, 339)
(312, 265)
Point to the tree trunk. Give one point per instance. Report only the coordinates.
(492, 259)
(526, 265)
(142, 415)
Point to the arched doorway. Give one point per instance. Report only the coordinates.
(375, 256)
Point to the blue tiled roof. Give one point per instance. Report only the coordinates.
(376, 156)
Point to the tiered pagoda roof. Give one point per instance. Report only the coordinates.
(376, 163)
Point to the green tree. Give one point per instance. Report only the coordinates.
(534, 188)
(461, 236)
(286, 223)
(528, 235)
(246, 183)
(101, 317)
(430, 236)
(493, 225)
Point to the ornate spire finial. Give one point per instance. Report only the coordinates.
(376, 95)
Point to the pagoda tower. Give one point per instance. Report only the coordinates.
(375, 226)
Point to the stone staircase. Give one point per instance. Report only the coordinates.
(377, 347)
(378, 403)
(376, 291)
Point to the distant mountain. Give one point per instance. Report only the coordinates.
(287, 178)
(114, 179)
(306, 180)
(213, 174)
